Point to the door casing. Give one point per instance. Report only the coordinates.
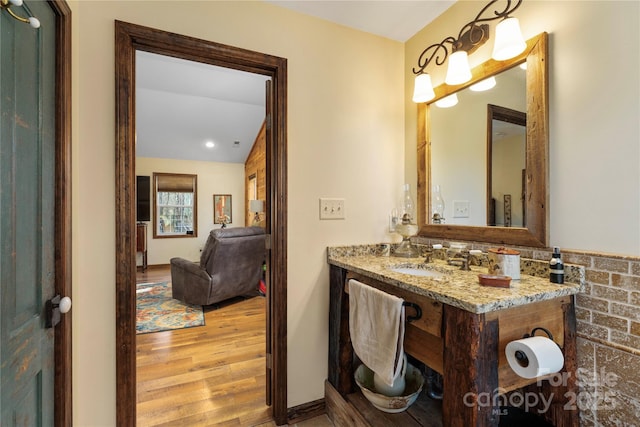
(129, 38)
(63, 393)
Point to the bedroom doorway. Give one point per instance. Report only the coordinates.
(129, 39)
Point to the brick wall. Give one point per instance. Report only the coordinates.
(608, 329)
(608, 315)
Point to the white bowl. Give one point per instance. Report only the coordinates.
(392, 404)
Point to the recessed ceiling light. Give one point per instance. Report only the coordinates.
(210, 144)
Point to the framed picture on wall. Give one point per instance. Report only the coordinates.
(222, 209)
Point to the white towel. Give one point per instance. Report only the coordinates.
(376, 324)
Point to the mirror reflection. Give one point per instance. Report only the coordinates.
(506, 166)
(474, 159)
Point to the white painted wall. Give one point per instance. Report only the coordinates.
(345, 139)
(213, 178)
(594, 105)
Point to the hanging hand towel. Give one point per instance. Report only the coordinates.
(376, 324)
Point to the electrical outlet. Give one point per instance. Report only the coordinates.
(331, 208)
(461, 209)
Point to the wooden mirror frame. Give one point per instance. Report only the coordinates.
(536, 232)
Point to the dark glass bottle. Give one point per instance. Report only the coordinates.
(556, 267)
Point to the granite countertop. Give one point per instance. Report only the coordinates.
(454, 287)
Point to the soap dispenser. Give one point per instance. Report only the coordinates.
(556, 267)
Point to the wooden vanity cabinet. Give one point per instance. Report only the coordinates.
(468, 349)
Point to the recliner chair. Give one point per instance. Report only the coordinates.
(230, 266)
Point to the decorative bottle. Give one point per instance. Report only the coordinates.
(406, 225)
(556, 267)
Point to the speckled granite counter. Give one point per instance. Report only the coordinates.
(455, 287)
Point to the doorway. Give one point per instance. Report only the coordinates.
(129, 38)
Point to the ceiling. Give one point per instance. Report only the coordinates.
(394, 19)
(181, 105)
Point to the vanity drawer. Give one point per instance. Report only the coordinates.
(431, 320)
(422, 337)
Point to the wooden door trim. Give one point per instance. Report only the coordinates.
(63, 390)
(128, 39)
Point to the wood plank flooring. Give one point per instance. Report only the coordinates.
(213, 375)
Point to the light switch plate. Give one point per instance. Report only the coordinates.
(331, 208)
(461, 209)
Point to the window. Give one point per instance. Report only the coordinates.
(175, 207)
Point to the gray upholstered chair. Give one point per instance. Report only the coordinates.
(230, 266)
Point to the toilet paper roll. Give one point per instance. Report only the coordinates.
(534, 356)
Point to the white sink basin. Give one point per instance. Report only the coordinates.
(414, 271)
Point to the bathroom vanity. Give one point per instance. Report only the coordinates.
(462, 335)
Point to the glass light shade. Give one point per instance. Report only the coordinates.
(406, 226)
(509, 41)
(483, 85)
(437, 205)
(458, 71)
(423, 90)
(447, 101)
(256, 205)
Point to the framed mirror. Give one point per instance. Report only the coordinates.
(473, 191)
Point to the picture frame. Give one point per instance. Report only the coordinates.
(222, 213)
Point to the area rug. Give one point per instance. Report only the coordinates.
(158, 311)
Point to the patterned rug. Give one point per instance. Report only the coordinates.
(158, 311)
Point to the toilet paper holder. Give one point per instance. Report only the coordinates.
(522, 358)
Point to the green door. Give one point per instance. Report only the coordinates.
(27, 162)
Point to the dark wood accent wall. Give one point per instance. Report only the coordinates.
(256, 164)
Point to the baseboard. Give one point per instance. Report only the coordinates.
(306, 411)
(157, 266)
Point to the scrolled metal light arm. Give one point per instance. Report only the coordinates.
(471, 36)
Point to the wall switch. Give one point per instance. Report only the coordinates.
(331, 208)
(461, 209)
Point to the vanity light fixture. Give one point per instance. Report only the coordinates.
(257, 207)
(447, 101)
(508, 44)
(6, 5)
(483, 85)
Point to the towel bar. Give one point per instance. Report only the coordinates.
(416, 307)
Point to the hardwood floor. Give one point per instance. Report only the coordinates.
(213, 375)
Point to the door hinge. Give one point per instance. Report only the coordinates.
(268, 121)
(269, 361)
